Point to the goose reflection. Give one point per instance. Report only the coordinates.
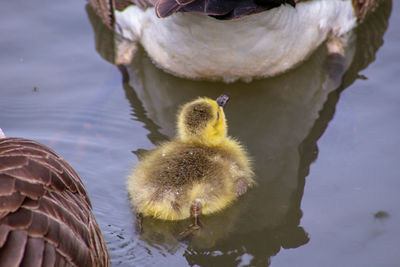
(279, 120)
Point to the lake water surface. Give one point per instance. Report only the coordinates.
(326, 147)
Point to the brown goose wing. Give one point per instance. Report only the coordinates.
(105, 8)
(363, 7)
(143, 4)
(221, 9)
(46, 217)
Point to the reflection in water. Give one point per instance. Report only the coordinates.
(279, 120)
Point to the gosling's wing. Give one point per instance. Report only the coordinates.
(46, 217)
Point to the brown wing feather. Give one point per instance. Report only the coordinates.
(165, 8)
(45, 212)
(363, 7)
(221, 9)
(105, 10)
(143, 4)
(12, 253)
(33, 256)
(184, 2)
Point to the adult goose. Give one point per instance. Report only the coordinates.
(46, 217)
(232, 39)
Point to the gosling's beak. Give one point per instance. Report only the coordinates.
(222, 100)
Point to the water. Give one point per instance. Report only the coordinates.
(325, 147)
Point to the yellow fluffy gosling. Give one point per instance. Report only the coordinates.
(201, 171)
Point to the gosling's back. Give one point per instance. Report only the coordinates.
(176, 173)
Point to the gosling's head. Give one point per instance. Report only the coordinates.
(203, 120)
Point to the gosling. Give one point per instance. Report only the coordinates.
(201, 171)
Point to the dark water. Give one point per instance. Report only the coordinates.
(326, 148)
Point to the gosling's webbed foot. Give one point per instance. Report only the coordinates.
(189, 231)
(241, 187)
(195, 211)
(335, 62)
(139, 222)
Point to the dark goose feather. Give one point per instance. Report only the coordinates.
(46, 216)
(220, 9)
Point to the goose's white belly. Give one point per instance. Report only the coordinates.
(260, 45)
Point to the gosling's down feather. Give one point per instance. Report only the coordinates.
(202, 164)
(46, 216)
